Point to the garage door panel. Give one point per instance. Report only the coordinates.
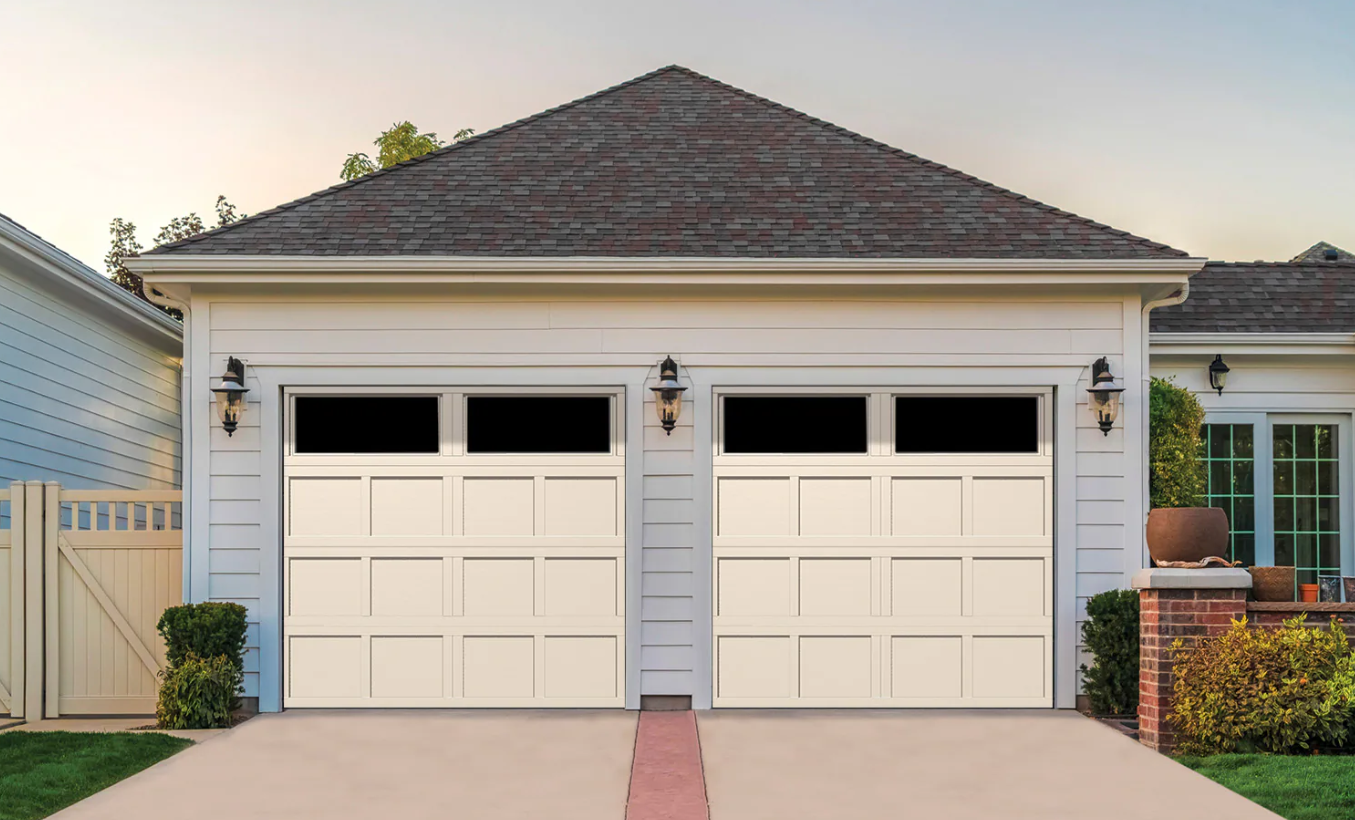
(917, 580)
(447, 579)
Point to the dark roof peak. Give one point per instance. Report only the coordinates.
(1325, 252)
(671, 163)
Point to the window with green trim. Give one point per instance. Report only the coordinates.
(1307, 499)
(1230, 457)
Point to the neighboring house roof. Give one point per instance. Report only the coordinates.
(40, 258)
(1324, 252)
(671, 164)
(1265, 297)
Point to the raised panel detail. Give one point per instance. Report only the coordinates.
(753, 667)
(926, 586)
(580, 667)
(407, 586)
(578, 587)
(926, 506)
(580, 506)
(498, 506)
(834, 586)
(835, 506)
(497, 586)
(498, 667)
(754, 506)
(1009, 506)
(406, 506)
(926, 667)
(324, 667)
(756, 587)
(1009, 666)
(407, 667)
(325, 586)
(835, 667)
(325, 506)
(1009, 587)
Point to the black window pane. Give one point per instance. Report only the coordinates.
(366, 424)
(1284, 478)
(1284, 550)
(967, 424)
(794, 424)
(538, 424)
(1284, 441)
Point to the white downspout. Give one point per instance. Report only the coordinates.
(185, 426)
(1175, 299)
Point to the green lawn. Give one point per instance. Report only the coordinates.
(43, 772)
(1297, 788)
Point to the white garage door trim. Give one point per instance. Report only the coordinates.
(1003, 659)
(542, 640)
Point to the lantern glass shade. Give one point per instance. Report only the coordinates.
(230, 396)
(668, 395)
(1218, 374)
(1104, 396)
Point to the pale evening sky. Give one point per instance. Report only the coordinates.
(1222, 127)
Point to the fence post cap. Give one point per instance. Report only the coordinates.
(1171, 578)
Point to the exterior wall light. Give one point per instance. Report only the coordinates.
(1104, 395)
(668, 395)
(230, 396)
(1218, 373)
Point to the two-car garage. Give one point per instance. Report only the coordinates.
(466, 547)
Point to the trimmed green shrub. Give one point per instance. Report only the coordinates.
(1176, 474)
(198, 693)
(1111, 634)
(1264, 690)
(206, 630)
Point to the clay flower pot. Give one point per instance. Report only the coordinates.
(1272, 584)
(1187, 533)
(1308, 593)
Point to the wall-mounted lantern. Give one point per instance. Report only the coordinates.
(1218, 373)
(668, 395)
(230, 396)
(1104, 395)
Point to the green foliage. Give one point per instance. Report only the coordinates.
(198, 693)
(1111, 634)
(124, 244)
(42, 773)
(1268, 690)
(1176, 476)
(401, 142)
(206, 630)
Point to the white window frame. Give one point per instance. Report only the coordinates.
(1263, 478)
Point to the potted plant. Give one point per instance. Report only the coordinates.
(1179, 530)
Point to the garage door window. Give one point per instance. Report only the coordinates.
(539, 424)
(794, 424)
(366, 424)
(967, 424)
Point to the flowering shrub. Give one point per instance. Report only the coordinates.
(1264, 690)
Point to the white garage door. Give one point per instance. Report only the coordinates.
(454, 549)
(883, 549)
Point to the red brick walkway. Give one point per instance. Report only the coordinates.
(666, 782)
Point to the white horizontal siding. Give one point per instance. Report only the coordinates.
(82, 401)
(422, 336)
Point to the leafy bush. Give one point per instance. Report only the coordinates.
(198, 693)
(1176, 476)
(206, 630)
(1111, 634)
(1281, 690)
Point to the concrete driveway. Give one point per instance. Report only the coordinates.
(798, 765)
(490, 765)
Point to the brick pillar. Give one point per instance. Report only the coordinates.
(1190, 604)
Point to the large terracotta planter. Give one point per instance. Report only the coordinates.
(1187, 534)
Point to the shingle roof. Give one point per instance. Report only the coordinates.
(1324, 252)
(672, 163)
(1265, 297)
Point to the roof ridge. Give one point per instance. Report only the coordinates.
(478, 138)
(915, 158)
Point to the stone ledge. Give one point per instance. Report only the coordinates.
(1297, 606)
(1170, 578)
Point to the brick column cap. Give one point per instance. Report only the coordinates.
(1209, 578)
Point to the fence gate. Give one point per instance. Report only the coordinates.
(12, 600)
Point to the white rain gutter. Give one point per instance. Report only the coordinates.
(1175, 299)
(186, 403)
